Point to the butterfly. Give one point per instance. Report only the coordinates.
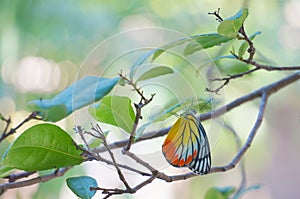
(187, 145)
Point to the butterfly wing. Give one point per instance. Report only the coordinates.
(201, 163)
(187, 145)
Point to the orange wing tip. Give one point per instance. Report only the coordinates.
(181, 163)
(195, 153)
(175, 161)
(189, 160)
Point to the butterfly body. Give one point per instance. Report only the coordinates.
(187, 145)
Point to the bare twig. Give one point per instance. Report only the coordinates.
(138, 109)
(138, 113)
(144, 100)
(79, 130)
(272, 68)
(251, 49)
(16, 176)
(227, 80)
(110, 192)
(39, 179)
(103, 138)
(140, 161)
(5, 134)
(217, 15)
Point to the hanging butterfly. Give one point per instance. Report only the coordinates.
(187, 145)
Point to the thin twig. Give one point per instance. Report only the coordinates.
(15, 176)
(79, 130)
(5, 134)
(121, 176)
(148, 181)
(101, 159)
(138, 90)
(272, 68)
(138, 109)
(227, 79)
(217, 15)
(140, 161)
(138, 113)
(39, 179)
(251, 49)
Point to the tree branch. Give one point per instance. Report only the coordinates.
(40, 179)
(269, 89)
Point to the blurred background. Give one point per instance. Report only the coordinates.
(44, 47)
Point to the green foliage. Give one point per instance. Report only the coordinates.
(204, 41)
(219, 192)
(51, 113)
(81, 93)
(155, 72)
(230, 27)
(195, 43)
(115, 110)
(81, 186)
(233, 67)
(42, 147)
(157, 52)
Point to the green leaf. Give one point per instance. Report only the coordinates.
(200, 42)
(230, 27)
(155, 72)
(155, 53)
(81, 186)
(52, 113)
(81, 93)
(42, 147)
(245, 45)
(233, 67)
(224, 57)
(114, 110)
(168, 46)
(219, 192)
(204, 41)
(140, 61)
